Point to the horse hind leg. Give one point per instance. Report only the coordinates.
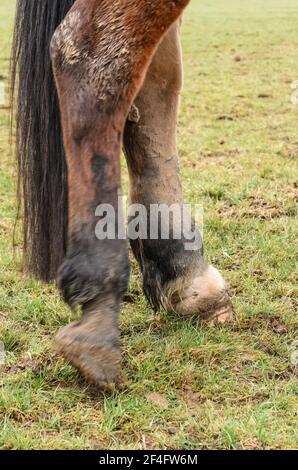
(175, 278)
(100, 54)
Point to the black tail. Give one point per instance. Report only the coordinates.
(42, 175)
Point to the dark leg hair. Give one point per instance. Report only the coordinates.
(42, 179)
(174, 278)
(100, 56)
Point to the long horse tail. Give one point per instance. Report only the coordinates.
(42, 172)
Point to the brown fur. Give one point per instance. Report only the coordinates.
(100, 55)
(100, 60)
(173, 278)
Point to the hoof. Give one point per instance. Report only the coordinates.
(95, 357)
(204, 296)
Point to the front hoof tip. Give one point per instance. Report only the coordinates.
(221, 316)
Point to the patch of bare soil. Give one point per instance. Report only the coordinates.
(29, 363)
(214, 157)
(288, 373)
(290, 152)
(258, 208)
(158, 400)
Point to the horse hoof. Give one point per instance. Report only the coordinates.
(204, 296)
(95, 358)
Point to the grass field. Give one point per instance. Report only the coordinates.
(186, 386)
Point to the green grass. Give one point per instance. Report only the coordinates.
(232, 387)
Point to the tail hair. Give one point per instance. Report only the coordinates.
(41, 163)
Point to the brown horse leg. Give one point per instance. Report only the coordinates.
(100, 56)
(177, 279)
